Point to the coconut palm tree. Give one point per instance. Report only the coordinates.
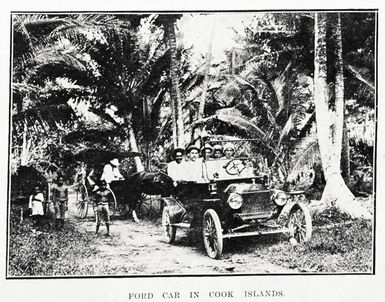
(329, 120)
(168, 23)
(40, 102)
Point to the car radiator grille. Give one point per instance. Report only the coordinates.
(256, 204)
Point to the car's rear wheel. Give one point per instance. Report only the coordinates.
(300, 224)
(169, 231)
(212, 234)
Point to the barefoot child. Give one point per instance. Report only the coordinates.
(60, 201)
(102, 197)
(36, 201)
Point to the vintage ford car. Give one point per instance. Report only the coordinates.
(231, 200)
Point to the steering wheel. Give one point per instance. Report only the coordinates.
(234, 167)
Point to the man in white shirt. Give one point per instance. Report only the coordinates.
(111, 172)
(194, 170)
(176, 168)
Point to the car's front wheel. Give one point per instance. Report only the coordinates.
(212, 234)
(300, 224)
(169, 231)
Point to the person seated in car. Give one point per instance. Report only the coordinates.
(218, 151)
(229, 150)
(176, 168)
(215, 168)
(207, 151)
(193, 167)
(232, 165)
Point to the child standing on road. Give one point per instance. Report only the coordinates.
(102, 197)
(36, 200)
(60, 201)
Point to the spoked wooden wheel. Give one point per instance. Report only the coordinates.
(145, 208)
(82, 200)
(212, 234)
(169, 231)
(113, 204)
(300, 224)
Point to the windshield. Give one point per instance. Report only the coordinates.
(232, 159)
(224, 168)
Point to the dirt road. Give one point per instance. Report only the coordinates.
(139, 248)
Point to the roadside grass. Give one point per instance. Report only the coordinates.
(338, 245)
(48, 252)
(52, 253)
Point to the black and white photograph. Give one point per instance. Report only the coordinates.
(178, 144)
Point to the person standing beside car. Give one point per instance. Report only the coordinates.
(111, 172)
(36, 206)
(102, 197)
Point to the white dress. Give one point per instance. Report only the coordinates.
(36, 204)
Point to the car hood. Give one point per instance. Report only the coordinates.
(242, 188)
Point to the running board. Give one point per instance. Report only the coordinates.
(254, 233)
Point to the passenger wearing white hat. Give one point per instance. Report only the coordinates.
(111, 172)
(229, 150)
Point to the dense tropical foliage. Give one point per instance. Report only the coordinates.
(91, 83)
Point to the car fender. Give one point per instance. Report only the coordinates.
(168, 201)
(176, 210)
(296, 205)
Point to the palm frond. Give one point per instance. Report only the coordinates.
(279, 84)
(285, 131)
(24, 88)
(304, 155)
(43, 118)
(263, 111)
(361, 76)
(235, 121)
(66, 57)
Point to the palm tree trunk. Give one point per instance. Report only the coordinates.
(24, 147)
(134, 148)
(134, 145)
(345, 156)
(330, 122)
(340, 101)
(174, 127)
(339, 92)
(175, 91)
(321, 97)
(206, 72)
